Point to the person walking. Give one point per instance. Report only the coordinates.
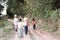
(26, 23)
(34, 23)
(20, 28)
(16, 20)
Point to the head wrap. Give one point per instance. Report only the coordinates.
(15, 15)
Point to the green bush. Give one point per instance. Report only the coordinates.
(1, 24)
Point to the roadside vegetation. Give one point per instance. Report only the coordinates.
(46, 11)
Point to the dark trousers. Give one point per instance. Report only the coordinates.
(34, 26)
(26, 29)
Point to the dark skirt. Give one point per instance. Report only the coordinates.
(34, 26)
(26, 29)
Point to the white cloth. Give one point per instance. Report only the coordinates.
(20, 25)
(16, 21)
(25, 21)
(15, 15)
(20, 29)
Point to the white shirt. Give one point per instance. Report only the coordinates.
(16, 21)
(20, 24)
(25, 21)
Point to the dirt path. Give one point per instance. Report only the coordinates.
(33, 35)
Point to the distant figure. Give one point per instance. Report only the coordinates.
(16, 20)
(34, 23)
(26, 23)
(20, 28)
(20, 17)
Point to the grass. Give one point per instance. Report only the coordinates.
(6, 31)
(52, 28)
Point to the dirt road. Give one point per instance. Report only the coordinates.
(33, 35)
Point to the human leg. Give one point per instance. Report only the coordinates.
(26, 29)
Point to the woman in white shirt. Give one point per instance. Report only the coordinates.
(16, 20)
(26, 23)
(20, 28)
